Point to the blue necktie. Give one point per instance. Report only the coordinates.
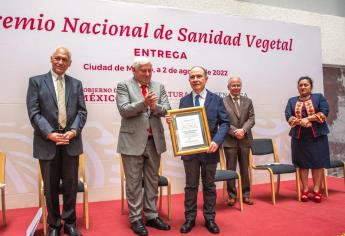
(196, 101)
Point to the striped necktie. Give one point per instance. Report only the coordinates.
(61, 103)
(237, 106)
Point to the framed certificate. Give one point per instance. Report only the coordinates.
(189, 131)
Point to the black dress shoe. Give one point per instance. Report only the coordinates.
(212, 226)
(158, 224)
(138, 228)
(187, 226)
(248, 201)
(71, 230)
(231, 201)
(53, 231)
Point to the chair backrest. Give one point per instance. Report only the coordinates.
(2, 167)
(263, 146)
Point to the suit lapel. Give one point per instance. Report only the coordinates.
(68, 86)
(151, 87)
(189, 100)
(227, 103)
(208, 99)
(136, 89)
(48, 80)
(232, 106)
(242, 105)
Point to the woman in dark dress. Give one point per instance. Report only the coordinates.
(306, 114)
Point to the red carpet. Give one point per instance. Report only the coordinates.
(287, 217)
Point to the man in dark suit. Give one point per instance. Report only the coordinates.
(141, 103)
(206, 163)
(57, 112)
(238, 141)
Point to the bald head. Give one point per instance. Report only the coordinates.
(60, 60)
(201, 68)
(63, 50)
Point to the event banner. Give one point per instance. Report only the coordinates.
(105, 36)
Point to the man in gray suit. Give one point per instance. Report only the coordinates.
(57, 112)
(239, 138)
(141, 103)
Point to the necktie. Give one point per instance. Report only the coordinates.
(196, 101)
(61, 103)
(143, 90)
(237, 106)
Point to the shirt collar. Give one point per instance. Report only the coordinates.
(55, 76)
(202, 94)
(139, 84)
(233, 97)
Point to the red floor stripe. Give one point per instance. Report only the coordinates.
(287, 217)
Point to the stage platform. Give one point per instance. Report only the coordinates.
(287, 217)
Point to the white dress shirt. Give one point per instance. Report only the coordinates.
(202, 97)
(238, 100)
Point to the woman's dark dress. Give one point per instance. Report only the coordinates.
(308, 150)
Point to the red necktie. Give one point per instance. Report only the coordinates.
(143, 90)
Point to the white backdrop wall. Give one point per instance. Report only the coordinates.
(332, 27)
(269, 76)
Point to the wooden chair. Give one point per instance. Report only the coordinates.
(2, 186)
(262, 147)
(224, 175)
(162, 182)
(82, 187)
(334, 164)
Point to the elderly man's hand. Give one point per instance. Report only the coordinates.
(168, 119)
(69, 135)
(213, 147)
(151, 100)
(58, 138)
(239, 133)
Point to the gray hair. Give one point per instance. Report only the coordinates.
(234, 77)
(65, 49)
(138, 61)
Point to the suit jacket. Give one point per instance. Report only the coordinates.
(245, 121)
(136, 118)
(320, 105)
(43, 114)
(218, 123)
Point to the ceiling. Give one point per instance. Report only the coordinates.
(325, 7)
